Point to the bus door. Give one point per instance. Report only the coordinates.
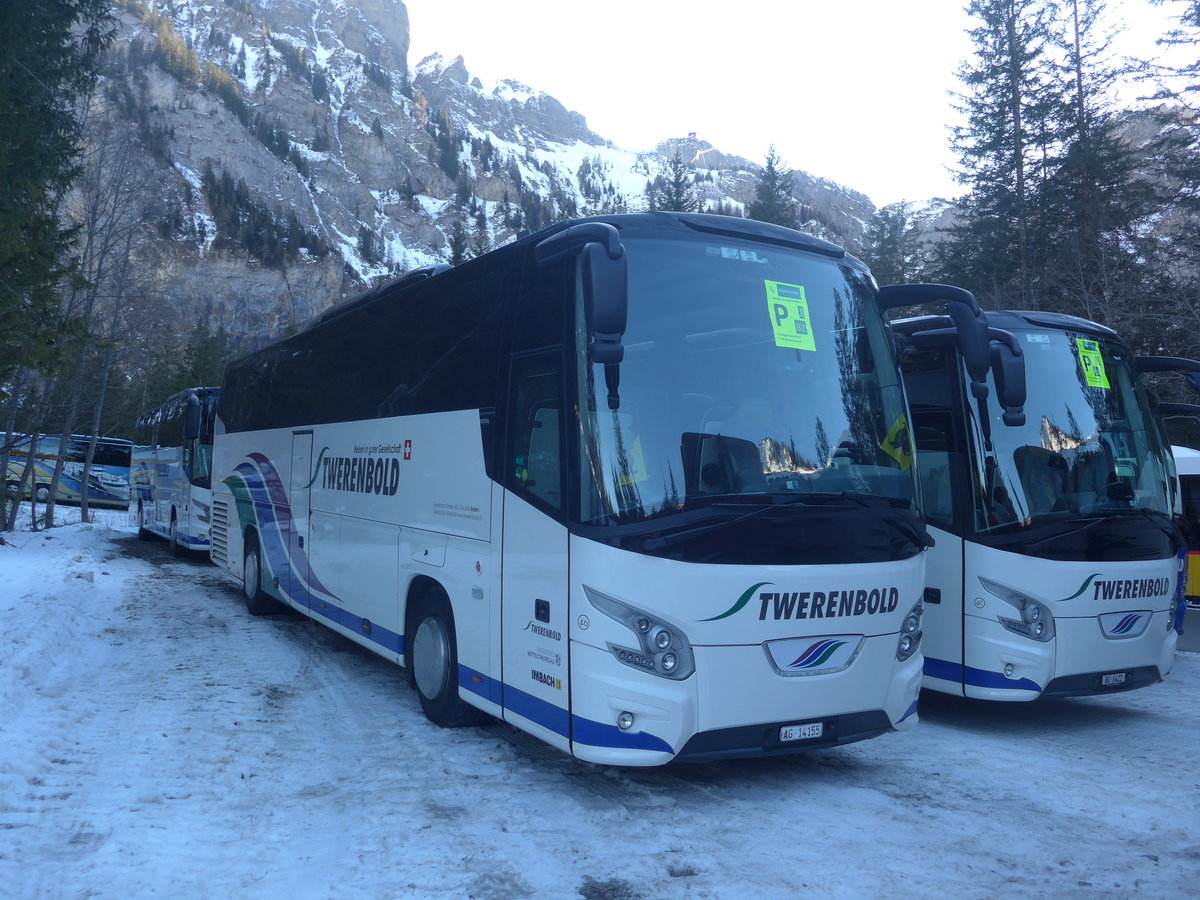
(941, 465)
(299, 490)
(534, 585)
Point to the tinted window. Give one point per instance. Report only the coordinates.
(431, 347)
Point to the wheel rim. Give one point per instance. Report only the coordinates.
(250, 575)
(431, 657)
(42, 494)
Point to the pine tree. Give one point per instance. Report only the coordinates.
(1094, 199)
(892, 245)
(457, 243)
(481, 240)
(773, 201)
(676, 191)
(49, 54)
(1006, 148)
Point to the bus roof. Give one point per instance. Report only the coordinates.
(1009, 320)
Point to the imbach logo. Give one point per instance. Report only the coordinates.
(816, 604)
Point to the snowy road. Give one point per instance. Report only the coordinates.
(155, 740)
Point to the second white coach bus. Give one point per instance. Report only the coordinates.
(640, 486)
(1055, 571)
(172, 469)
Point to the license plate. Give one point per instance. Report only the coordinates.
(801, 732)
(1114, 678)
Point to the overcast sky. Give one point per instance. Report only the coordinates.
(856, 91)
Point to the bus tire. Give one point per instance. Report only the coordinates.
(258, 602)
(144, 533)
(41, 493)
(13, 489)
(434, 662)
(173, 537)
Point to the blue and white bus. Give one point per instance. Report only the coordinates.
(105, 483)
(172, 469)
(639, 485)
(1055, 568)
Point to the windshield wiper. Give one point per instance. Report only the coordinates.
(661, 541)
(1161, 522)
(890, 514)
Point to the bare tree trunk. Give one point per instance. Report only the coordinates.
(108, 217)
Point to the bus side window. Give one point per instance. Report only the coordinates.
(535, 440)
(543, 463)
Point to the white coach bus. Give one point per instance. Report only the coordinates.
(639, 485)
(1055, 570)
(171, 478)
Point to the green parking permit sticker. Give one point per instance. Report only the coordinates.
(1093, 363)
(789, 316)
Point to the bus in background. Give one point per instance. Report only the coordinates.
(106, 483)
(172, 469)
(1187, 467)
(1055, 568)
(639, 485)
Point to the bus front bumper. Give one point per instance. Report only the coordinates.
(736, 705)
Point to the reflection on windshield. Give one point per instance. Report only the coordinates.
(1090, 445)
(750, 371)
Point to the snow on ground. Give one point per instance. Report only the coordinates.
(155, 740)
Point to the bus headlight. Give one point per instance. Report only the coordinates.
(661, 648)
(910, 632)
(1036, 622)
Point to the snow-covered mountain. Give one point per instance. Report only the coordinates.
(290, 155)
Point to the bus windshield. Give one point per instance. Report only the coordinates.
(758, 381)
(1090, 446)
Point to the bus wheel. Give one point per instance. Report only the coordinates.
(173, 537)
(13, 489)
(41, 493)
(434, 661)
(143, 532)
(258, 602)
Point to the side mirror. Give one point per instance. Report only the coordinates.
(894, 295)
(191, 418)
(1169, 410)
(969, 321)
(606, 296)
(974, 343)
(1008, 371)
(1168, 364)
(605, 282)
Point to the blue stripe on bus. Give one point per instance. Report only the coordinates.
(912, 709)
(546, 714)
(960, 674)
(597, 734)
(536, 709)
(478, 683)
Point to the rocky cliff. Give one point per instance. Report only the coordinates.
(289, 155)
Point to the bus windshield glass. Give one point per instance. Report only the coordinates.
(1090, 446)
(758, 382)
